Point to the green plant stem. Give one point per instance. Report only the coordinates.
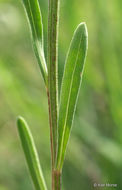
(53, 17)
(56, 175)
(57, 180)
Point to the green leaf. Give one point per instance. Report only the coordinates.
(31, 154)
(33, 12)
(70, 88)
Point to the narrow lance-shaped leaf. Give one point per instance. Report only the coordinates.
(33, 12)
(31, 154)
(71, 81)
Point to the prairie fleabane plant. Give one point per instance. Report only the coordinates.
(60, 117)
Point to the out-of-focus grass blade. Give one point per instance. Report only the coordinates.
(31, 154)
(70, 87)
(33, 12)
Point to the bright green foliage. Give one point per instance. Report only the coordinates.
(33, 11)
(69, 92)
(70, 88)
(99, 106)
(31, 154)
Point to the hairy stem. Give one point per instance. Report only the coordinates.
(53, 17)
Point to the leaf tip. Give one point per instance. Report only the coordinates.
(20, 121)
(84, 29)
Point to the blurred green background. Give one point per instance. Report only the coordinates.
(94, 153)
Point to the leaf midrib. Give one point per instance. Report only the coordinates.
(43, 64)
(34, 156)
(32, 19)
(62, 140)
